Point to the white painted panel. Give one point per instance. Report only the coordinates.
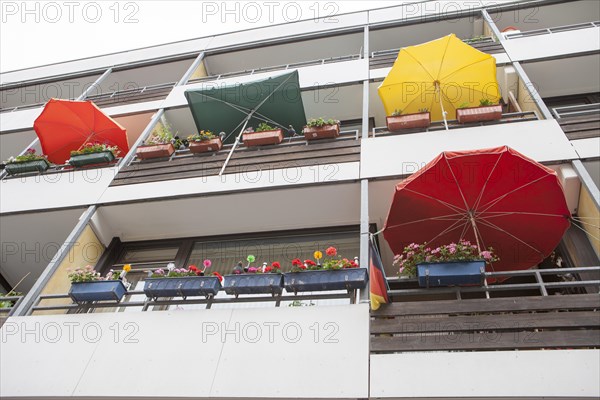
(515, 374)
(310, 25)
(105, 61)
(19, 120)
(310, 77)
(404, 154)
(552, 45)
(74, 188)
(234, 182)
(190, 354)
(587, 148)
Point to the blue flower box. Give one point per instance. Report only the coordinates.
(324, 280)
(187, 286)
(81, 160)
(22, 167)
(97, 291)
(451, 273)
(253, 284)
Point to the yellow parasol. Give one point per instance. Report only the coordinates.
(441, 76)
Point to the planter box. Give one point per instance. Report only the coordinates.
(253, 284)
(318, 281)
(323, 132)
(26, 166)
(154, 151)
(408, 121)
(479, 114)
(455, 273)
(206, 146)
(262, 138)
(97, 291)
(182, 287)
(100, 158)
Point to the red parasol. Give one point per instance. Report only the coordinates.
(66, 125)
(493, 197)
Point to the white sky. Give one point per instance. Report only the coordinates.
(42, 32)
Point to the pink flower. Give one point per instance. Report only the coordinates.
(207, 264)
(331, 251)
(486, 255)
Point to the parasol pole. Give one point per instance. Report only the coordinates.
(248, 117)
(472, 219)
(444, 113)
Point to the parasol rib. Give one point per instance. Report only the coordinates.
(449, 229)
(494, 226)
(438, 218)
(450, 206)
(495, 201)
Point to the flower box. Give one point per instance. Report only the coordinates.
(253, 284)
(21, 167)
(262, 138)
(154, 151)
(322, 132)
(206, 146)
(182, 287)
(97, 291)
(323, 280)
(408, 121)
(479, 114)
(81, 160)
(451, 273)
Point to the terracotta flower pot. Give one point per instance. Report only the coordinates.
(262, 138)
(206, 145)
(408, 121)
(154, 151)
(479, 114)
(322, 132)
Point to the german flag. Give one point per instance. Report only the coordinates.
(377, 280)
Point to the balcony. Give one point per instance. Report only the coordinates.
(579, 121)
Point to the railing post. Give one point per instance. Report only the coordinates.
(540, 281)
(143, 136)
(587, 181)
(186, 77)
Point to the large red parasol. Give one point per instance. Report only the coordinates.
(66, 125)
(494, 197)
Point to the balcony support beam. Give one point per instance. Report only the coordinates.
(149, 128)
(587, 182)
(29, 300)
(488, 19)
(186, 77)
(535, 96)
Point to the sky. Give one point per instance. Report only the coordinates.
(36, 33)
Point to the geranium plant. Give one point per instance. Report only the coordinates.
(414, 254)
(263, 127)
(201, 136)
(319, 122)
(266, 268)
(29, 155)
(89, 274)
(172, 272)
(89, 148)
(333, 261)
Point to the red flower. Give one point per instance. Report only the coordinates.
(218, 275)
(193, 268)
(310, 263)
(276, 265)
(331, 251)
(302, 266)
(268, 269)
(296, 261)
(353, 264)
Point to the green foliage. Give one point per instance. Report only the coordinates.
(475, 39)
(264, 127)
(161, 135)
(485, 102)
(90, 148)
(397, 113)
(201, 136)
(7, 303)
(85, 274)
(319, 122)
(464, 105)
(29, 155)
(423, 110)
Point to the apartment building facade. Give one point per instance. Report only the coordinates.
(285, 201)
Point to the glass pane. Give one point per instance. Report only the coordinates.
(145, 255)
(225, 255)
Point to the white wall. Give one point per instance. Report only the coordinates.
(188, 354)
(552, 45)
(515, 374)
(404, 154)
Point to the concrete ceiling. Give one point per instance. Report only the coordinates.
(565, 76)
(408, 35)
(29, 241)
(233, 213)
(134, 124)
(282, 54)
(548, 16)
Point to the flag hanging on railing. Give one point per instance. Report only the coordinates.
(377, 280)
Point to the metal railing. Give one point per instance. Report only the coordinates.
(394, 52)
(576, 111)
(547, 31)
(61, 169)
(145, 305)
(277, 68)
(540, 284)
(453, 124)
(6, 312)
(297, 140)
